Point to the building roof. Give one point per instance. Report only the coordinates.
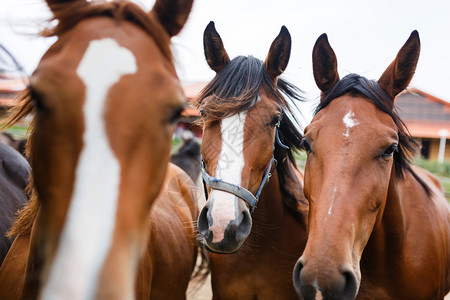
(9, 88)
(424, 115)
(190, 91)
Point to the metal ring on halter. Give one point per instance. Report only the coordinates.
(239, 191)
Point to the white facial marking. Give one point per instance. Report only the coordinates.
(349, 122)
(319, 295)
(229, 168)
(88, 230)
(332, 200)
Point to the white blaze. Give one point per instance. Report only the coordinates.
(349, 122)
(332, 200)
(229, 168)
(88, 231)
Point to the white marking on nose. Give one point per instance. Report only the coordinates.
(318, 292)
(332, 200)
(229, 168)
(88, 230)
(349, 122)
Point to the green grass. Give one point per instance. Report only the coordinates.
(439, 169)
(446, 187)
(300, 159)
(18, 132)
(176, 144)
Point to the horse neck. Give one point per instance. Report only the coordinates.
(273, 213)
(270, 208)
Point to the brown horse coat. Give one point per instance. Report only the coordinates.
(105, 99)
(252, 255)
(378, 227)
(167, 264)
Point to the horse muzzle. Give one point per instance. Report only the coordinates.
(333, 283)
(221, 232)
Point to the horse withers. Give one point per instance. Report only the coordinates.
(378, 227)
(255, 206)
(105, 98)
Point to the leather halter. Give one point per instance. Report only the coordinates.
(237, 190)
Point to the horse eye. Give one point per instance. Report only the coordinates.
(306, 145)
(275, 121)
(390, 151)
(176, 115)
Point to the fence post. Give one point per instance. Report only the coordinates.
(443, 133)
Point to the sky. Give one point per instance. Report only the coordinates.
(365, 35)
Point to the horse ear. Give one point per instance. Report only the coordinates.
(398, 75)
(172, 14)
(215, 53)
(279, 53)
(324, 64)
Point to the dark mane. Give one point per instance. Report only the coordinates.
(235, 89)
(356, 85)
(70, 14)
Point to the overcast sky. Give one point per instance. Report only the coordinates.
(366, 35)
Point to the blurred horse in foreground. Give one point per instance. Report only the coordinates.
(105, 220)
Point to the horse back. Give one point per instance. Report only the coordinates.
(169, 259)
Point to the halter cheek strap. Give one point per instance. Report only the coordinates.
(239, 191)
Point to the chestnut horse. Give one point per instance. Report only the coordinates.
(105, 99)
(249, 136)
(378, 227)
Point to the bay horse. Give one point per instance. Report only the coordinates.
(14, 172)
(378, 227)
(249, 137)
(105, 99)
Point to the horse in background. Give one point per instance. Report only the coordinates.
(255, 204)
(378, 227)
(105, 99)
(188, 158)
(14, 172)
(18, 145)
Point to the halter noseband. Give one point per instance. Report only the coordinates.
(239, 191)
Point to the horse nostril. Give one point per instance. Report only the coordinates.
(204, 222)
(305, 290)
(350, 285)
(244, 226)
(339, 283)
(296, 277)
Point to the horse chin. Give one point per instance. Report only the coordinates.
(223, 247)
(221, 251)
